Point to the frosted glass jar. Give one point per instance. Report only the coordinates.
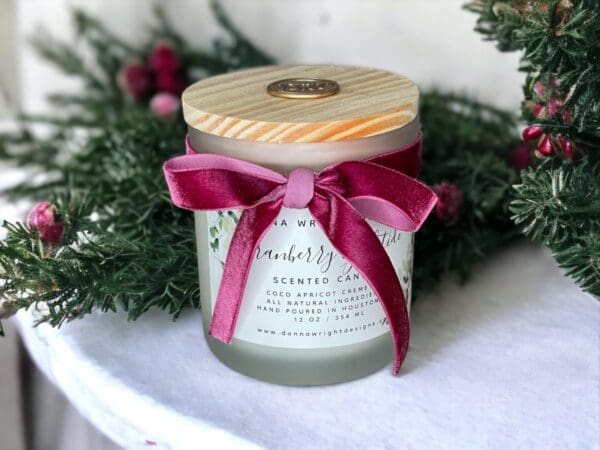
(307, 317)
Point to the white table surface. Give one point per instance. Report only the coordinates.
(509, 361)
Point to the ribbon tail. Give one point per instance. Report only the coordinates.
(356, 241)
(252, 226)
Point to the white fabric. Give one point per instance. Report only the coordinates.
(55, 424)
(510, 360)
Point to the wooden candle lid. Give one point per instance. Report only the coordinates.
(237, 105)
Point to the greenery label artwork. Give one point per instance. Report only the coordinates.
(301, 293)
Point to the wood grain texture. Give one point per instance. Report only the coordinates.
(236, 105)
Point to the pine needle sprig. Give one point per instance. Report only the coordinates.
(558, 205)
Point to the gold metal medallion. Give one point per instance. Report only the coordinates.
(303, 88)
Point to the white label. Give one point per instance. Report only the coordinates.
(301, 293)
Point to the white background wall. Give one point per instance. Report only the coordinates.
(8, 56)
(431, 41)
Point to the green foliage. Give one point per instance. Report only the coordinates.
(466, 143)
(126, 247)
(560, 39)
(557, 202)
(570, 195)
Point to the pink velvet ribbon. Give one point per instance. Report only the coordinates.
(339, 197)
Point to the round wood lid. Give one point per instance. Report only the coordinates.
(237, 105)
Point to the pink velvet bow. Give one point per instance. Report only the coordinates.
(339, 197)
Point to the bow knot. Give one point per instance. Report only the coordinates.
(330, 181)
(300, 188)
(340, 197)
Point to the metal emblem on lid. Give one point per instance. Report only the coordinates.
(301, 88)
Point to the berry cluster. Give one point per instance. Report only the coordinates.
(160, 77)
(549, 103)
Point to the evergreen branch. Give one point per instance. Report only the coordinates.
(235, 53)
(138, 250)
(205, 61)
(558, 38)
(466, 143)
(107, 272)
(558, 205)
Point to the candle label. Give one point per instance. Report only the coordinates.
(301, 293)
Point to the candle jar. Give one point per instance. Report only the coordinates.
(307, 317)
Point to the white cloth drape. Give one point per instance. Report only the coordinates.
(55, 424)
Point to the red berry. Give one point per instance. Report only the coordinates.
(566, 146)
(169, 82)
(135, 79)
(545, 147)
(450, 202)
(532, 132)
(43, 219)
(163, 58)
(520, 158)
(165, 105)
